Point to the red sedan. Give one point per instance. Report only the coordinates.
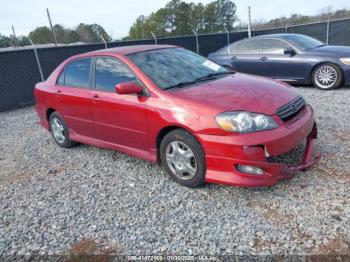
(165, 104)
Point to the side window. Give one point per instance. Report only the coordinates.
(272, 46)
(60, 80)
(249, 47)
(233, 49)
(77, 73)
(110, 72)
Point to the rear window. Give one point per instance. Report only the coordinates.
(233, 49)
(60, 80)
(77, 73)
(249, 47)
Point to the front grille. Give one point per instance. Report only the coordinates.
(291, 109)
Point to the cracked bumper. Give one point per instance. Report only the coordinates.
(222, 159)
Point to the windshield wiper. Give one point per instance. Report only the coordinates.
(180, 84)
(211, 75)
(315, 47)
(202, 78)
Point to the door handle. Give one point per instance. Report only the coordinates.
(233, 57)
(59, 92)
(264, 58)
(96, 97)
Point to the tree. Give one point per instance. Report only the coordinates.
(59, 32)
(70, 36)
(41, 35)
(4, 41)
(23, 41)
(225, 14)
(100, 31)
(296, 19)
(91, 33)
(137, 31)
(179, 18)
(198, 18)
(209, 18)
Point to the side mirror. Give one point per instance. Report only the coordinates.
(289, 51)
(126, 88)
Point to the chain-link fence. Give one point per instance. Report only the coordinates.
(19, 71)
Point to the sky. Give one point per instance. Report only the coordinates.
(117, 16)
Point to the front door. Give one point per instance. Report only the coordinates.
(119, 119)
(276, 64)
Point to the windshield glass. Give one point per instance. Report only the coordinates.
(171, 66)
(303, 41)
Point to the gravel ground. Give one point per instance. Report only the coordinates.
(86, 199)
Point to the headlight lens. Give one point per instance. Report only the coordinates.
(345, 60)
(245, 122)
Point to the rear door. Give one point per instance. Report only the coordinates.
(73, 96)
(245, 56)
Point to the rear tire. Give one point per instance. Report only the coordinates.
(183, 158)
(59, 130)
(327, 76)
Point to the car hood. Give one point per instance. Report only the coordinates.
(240, 92)
(334, 51)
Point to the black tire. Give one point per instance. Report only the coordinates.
(66, 143)
(336, 84)
(189, 140)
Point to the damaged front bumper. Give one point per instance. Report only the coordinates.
(225, 156)
(272, 172)
(308, 160)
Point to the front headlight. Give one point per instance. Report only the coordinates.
(244, 122)
(345, 60)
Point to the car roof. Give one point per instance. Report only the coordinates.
(130, 49)
(278, 36)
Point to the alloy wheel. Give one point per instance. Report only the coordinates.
(326, 76)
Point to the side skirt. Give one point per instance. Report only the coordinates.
(146, 155)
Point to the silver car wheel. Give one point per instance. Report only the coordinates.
(58, 130)
(181, 160)
(326, 76)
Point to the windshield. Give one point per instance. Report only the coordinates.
(171, 66)
(303, 41)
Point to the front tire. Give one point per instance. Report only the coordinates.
(183, 158)
(59, 130)
(327, 76)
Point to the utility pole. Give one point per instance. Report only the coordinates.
(53, 32)
(14, 37)
(249, 23)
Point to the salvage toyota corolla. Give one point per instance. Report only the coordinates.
(165, 104)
